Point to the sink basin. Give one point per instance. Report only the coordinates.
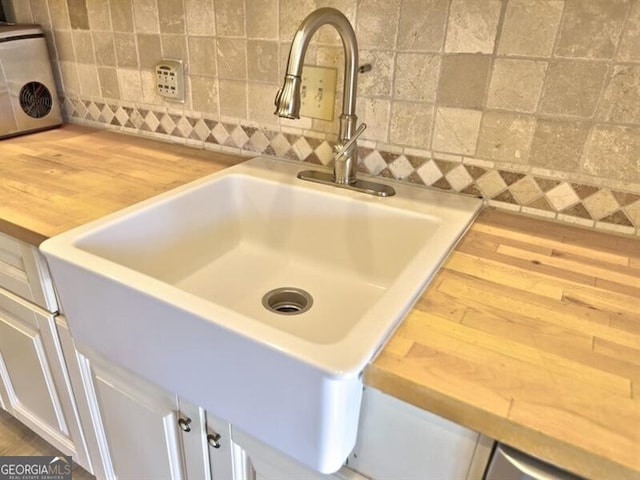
(176, 289)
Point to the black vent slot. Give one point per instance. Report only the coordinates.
(35, 99)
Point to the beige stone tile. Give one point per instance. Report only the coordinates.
(629, 50)
(145, 16)
(232, 55)
(171, 15)
(463, 80)
(174, 46)
(516, 84)
(601, 204)
(530, 27)
(327, 34)
(375, 113)
(262, 61)
(83, 45)
(205, 95)
(229, 18)
(64, 45)
(130, 84)
(260, 98)
(505, 137)
(456, 130)
(591, 29)
(22, 11)
(292, 12)
(621, 100)
(78, 16)
(401, 168)
(472, 26)
(89, 83)
(422, 25)
(558, 144)
(98, 12)
(150, 95)
(573, 88)
(429, 172)
(525, 190)
(104, 49)
(262, 19)
(416, 76)
(60, 14)
(149, 49)
(200, 18)
(633, 212)
(126, 50)
(109, 83)
(202, 55)
(121, 15)
(459, 178)
(562, 196)
(377, 23)
(233, 98)
(69, 74)
(373, 162)
(40, 11)
(612, 153)
(491, 184)
(378, 80)
(325, 56)
(411, 124)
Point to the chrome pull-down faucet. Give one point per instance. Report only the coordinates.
(288, 100)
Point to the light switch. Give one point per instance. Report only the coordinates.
(318, 92)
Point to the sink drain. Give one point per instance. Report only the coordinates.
(287, 301)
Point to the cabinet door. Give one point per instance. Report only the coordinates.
(227, 460)
(33, 380)
(139, 426)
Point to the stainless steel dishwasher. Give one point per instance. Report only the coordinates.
(510, 464)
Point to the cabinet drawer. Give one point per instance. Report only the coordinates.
(23, 271)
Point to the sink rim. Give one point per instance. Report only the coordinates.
(361, 342)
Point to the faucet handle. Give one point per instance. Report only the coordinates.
(346, 148)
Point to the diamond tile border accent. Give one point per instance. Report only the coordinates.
(572, 202)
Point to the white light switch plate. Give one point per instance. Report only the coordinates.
(318, 92)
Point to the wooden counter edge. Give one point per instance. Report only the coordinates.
(24, 234)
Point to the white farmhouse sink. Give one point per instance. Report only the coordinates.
(172, 288)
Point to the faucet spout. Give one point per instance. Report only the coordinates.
(288, 97)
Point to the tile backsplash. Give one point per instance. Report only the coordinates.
(532, 104)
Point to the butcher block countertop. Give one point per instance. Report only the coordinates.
(55, 180)
(530, 334)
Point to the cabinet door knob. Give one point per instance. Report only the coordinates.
(184, 424)
(213, 440)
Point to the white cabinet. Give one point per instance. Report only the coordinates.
(34, 382)
(23, 272)
(398, 441)
(143, 431)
